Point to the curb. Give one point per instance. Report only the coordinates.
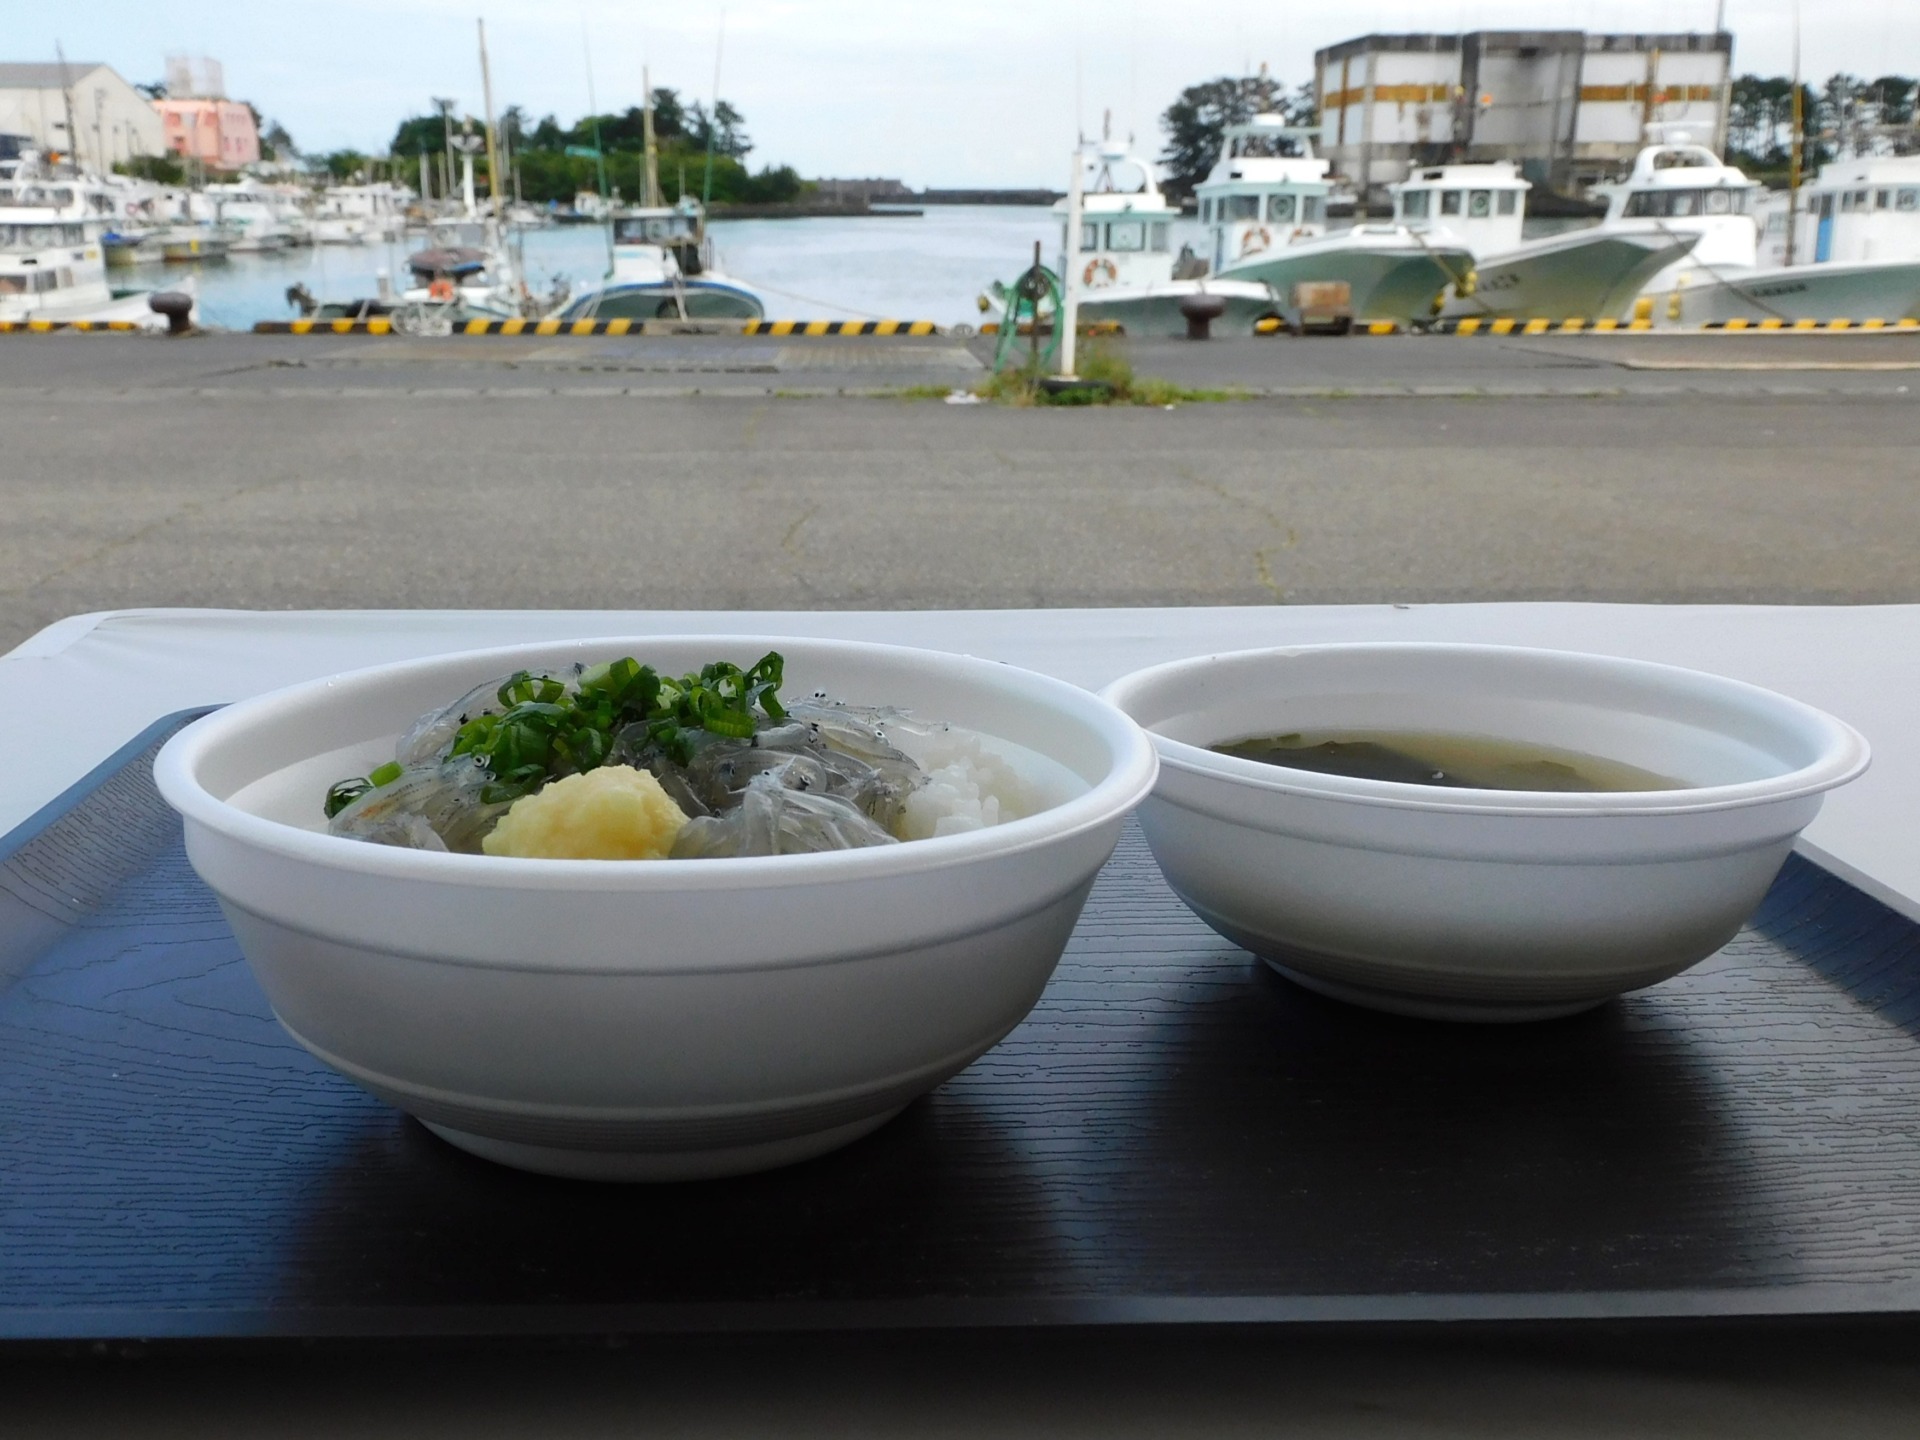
(382, 325)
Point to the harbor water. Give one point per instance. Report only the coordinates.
(884, 267)
(892, 267)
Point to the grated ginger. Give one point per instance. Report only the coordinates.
(613, 813)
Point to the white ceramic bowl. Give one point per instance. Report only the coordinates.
(1478, 904)
(650, 1020)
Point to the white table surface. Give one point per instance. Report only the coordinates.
(95, 681)
(102, 678)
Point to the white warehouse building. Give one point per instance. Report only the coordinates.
(111, 120)
(1568, 107)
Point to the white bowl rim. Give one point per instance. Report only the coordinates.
(1134, 770)
(1844, 753)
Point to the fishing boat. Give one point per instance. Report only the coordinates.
(250, 219)
(361, 214)
(1125, 268)
(1689, 189)
(192, 244)
(1866, 208)
(467, 268)
(52, 270)
(1264, 208)
(665, 268)
(1586, 273)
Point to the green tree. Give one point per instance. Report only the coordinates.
(1196, 123)
(419, 133)
(1893, 98)
(343, 165)
(161, 169)
(727, 128)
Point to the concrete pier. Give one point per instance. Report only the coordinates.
(267, 471)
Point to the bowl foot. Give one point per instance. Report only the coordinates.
(1433, 1007)
(659, 1165)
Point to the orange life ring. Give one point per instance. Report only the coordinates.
(441, 289)
(1256, 240)
(1099, 265)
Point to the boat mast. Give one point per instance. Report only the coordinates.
(1069, 316)
(650, 185)
(713, 116)
(66, 94)
(493, 142)
(1793, 165)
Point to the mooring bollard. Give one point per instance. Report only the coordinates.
(1201, 311)
(176, 307)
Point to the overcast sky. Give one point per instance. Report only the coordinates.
(961, 92)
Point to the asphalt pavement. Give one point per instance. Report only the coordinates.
(293, 472)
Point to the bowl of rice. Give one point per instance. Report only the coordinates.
(673, 1018)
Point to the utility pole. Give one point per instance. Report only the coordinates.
(1069, 317)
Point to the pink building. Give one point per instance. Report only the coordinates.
(219, 133)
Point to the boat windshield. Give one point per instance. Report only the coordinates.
(39, 237)
(652, 229)
(1659, 204)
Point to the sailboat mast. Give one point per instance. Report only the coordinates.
(1793, 165)
(650, 189)
(713, 116)
(493, 139)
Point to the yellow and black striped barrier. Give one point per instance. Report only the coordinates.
(383, 325)
(1576, 325)
(84, 327)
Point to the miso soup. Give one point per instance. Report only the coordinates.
(1427, 757)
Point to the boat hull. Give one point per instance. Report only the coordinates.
(1154, 310)
(1386, 282)
(1580, 274)
(1866, 290)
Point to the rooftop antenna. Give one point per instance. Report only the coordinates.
(713, 117)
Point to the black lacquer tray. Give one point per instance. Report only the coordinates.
(1174, 1135)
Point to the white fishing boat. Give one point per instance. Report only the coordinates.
(248, 217)
(1688, 189)
(361, 214)
(51, 269)
(665, 268)
(1264, 206)
(1586, 273)
(464, 272)
(1124, 269)
(1863, 209)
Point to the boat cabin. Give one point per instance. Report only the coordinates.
(1126, 224)
(47, 264)
(1866, 208)
(1690, 190)
(1482, 205)
(663, 266)
(1268, 188)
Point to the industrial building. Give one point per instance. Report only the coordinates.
(1568, 107)
(81, 108)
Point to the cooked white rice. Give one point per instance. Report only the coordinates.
(968, 786)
